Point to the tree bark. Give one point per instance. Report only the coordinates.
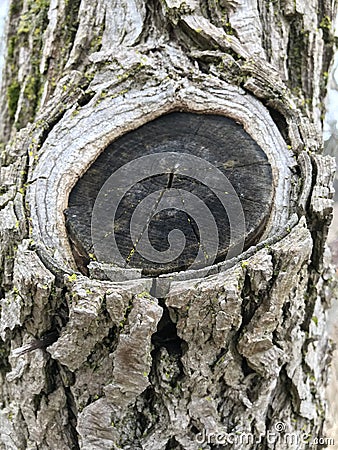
(163, 363)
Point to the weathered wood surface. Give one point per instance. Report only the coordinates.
(237, 351)
(215, 139)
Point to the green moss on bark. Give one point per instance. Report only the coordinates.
(15, 7)
(13, 94)
(27, 30)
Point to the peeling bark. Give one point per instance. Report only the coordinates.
(143, 363)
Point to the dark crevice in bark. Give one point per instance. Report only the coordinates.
(59, 375)
(53, 381)
(50, 123)
(52, 371)
(203, 65)
(318, 229)
(107, 346)
(222, 352)
(126, 314)
(109, 343)
(280, 122)
(264, 10)
(286, 310)
(5, 366)
(72, 417)
(166, 335)
(166, 364)
(8, 264)
(71, 25)
(297, 60)
(205, 10)
(58, 320)
(254, 388)
(148, 408)
(172, 444)
(249, 303)
(277, 262)
(86, 98)
(311, 296)
(22, 188)
(147, 23)
(37, 402)
(155, 24)
(42, 343)
(230, 72)
(80, 255)
(246, 369)
(59, 312)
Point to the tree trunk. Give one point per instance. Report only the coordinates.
(110, 358)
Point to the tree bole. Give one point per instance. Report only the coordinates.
(95, 356)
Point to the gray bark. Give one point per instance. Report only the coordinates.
(247, 346)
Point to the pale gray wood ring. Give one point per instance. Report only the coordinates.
(77, 140)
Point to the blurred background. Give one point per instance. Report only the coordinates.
(3, 14)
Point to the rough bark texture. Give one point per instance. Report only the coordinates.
(144, 364)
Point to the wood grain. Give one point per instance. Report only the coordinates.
(216, 139)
